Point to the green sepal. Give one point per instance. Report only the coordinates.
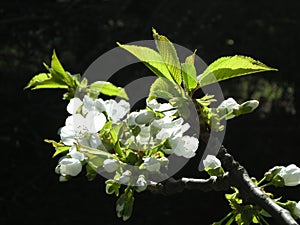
(60, 148)
(112, 187)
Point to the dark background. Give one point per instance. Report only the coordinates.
(80, 31)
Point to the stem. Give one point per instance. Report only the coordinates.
(266, 185)
(261, 181)
(226, 217)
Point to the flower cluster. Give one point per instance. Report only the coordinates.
(136, 144)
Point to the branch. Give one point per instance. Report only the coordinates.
(172, 186)
(251, 193)
(236, 176)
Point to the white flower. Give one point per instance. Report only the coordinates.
(131, 118)
(141, 183)
(110, 165)
(69, 166)
(297, 210)
(183, 146)
(78, 127)
(144, 136)
(144, 117)
(166, 108)
(151, 164)
(116, 110)
(92, 105)
(125, 177)
(211, 162)
(290, 175)
(73, 105)
(171, 129)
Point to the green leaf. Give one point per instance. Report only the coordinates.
(109, 89)
(163, 88)
(229, 67)
(58, 71)
(45, 80)
(150, 58)
(169, 55)
(189, 73)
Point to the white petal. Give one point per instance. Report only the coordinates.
(76, 155)
(116, 111)
(73, 105)
(88, 104)
(67, 135)
(212, 162)
(95, 121)
(99, 105)
(77, 121)
(95, 141)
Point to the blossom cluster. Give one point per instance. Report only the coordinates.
(142, 139)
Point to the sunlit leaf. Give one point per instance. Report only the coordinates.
(109, 89)
(169, 55)
(229, 67)
(150, 58)
(189, 73)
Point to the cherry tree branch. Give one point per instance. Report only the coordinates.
(236, 176)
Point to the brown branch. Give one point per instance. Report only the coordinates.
(236, 176)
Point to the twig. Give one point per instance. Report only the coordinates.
(236, 176)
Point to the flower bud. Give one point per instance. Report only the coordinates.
(110, 165)
(70, 166)
(141, 184)
(290, 175)
(212, 165)
(248, 107)
(211, 162)
(144, 117)
(125, 177)
(152, 164)
(296, 210)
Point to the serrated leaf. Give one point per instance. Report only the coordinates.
(229, 67)
(109, 89)
(58, 71)
(169, 55)
(189, 73)
(163, 88)
(150, 58)
(45, 80)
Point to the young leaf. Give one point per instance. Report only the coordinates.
(231, 66)
(150, 58)
(169, 55)
(109, 89)
(163, 88)
(189, 73)
(45, 80)
(58, 71)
